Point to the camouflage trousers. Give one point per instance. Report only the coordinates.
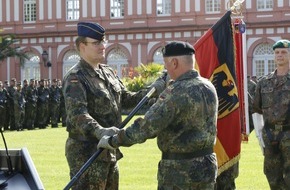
(194, 186)
(188, 174)
(100, 175)
(277, 159)
(226, 180)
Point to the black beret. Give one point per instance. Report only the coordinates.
(91, 30)
(177, 48)
(281, 44)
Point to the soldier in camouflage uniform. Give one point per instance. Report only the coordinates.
(25, 85)
(31, 105)
(272, 99)
(3, 105)
(184, 120)
(19, 109)
(42, 105)
(11, 90)
(93, 95)
(7, 120)
(62, 110)
(54, 96)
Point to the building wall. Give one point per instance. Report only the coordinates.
(138, 34)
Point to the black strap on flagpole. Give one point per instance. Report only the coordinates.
(99, 151)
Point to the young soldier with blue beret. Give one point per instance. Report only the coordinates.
(184, 120)
(93, 95)
(272, 100)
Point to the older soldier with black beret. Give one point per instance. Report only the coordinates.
(93, 95)
(184, 120)
(272, 99)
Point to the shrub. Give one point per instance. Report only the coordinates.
(146, 74)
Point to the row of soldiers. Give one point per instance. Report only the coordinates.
(31, 105)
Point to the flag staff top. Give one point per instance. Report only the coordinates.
(236, 7)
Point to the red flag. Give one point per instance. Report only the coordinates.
(215, 56)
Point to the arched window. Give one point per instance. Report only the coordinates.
(30, 68)
(70, 59)
(158, 57)
(117, 59)
(263, 60)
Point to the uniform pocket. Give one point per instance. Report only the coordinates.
(267, 97)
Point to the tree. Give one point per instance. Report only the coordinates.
(8, 48)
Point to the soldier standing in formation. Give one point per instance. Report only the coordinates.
(272, 100)
(3, 106)
(31, 105)
(184, 120)
(42, 105)
(11, 90)
(7, 121)
(62, 110)
(55, 94)
(19, 110)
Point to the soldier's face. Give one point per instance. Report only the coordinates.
(282, 56)
(170, 65)
(93, 50)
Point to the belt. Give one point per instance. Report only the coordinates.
(82, 138)
(183, 156)
(279, 127)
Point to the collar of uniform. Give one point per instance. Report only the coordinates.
(89, 69)
(273, 75)
(190, 74)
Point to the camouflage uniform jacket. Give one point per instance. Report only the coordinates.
(43, 94)
(272, 99)
(31, 95)
(3, 98)
(55, 94)
(93, 100)
(184, 120)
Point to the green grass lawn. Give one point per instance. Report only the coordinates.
(138, 168)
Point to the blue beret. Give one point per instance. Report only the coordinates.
(91, 30)
(281, 44)
(178, 48)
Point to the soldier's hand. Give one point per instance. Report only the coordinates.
(105, 143)
(159, 84)
(108, 132)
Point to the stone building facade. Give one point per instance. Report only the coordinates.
(135, 29)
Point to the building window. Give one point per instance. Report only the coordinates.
(264, 5)
(163, 7)
(31, 68)
(29, 10)
(117, 8)
(263, 60)
(212, 6)
(70, 59)
(117, 59)
(72, 9)
(158, 56)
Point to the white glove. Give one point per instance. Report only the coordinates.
(104, 143)
(107, 131)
